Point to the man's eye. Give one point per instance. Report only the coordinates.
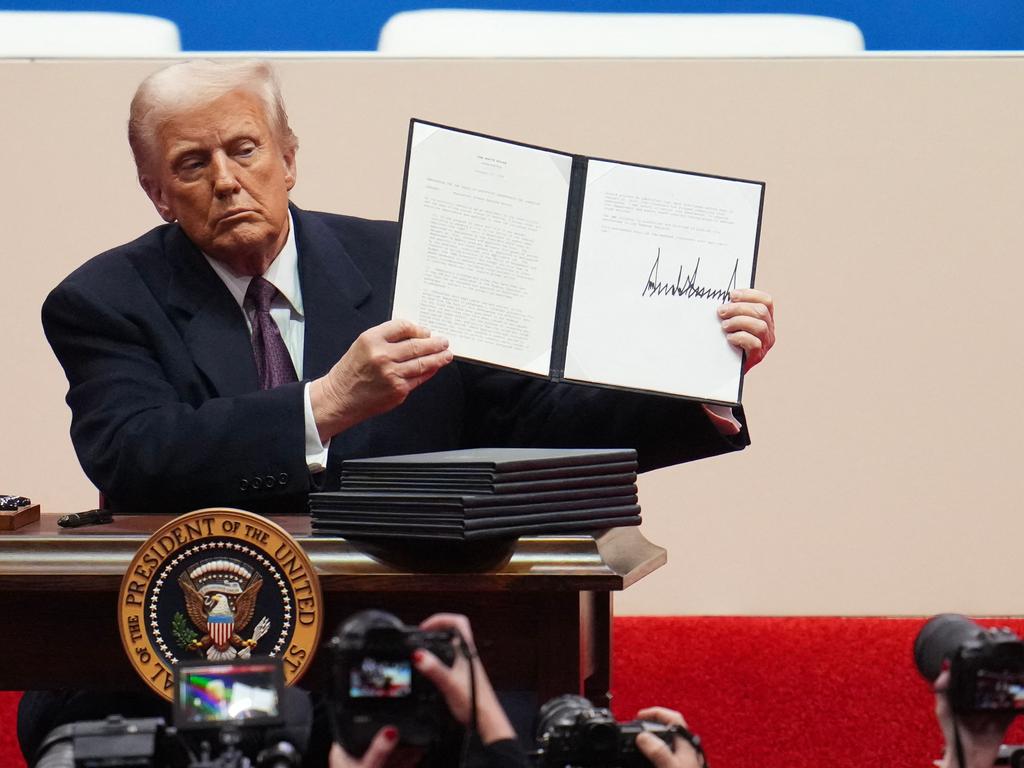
(190, 165)
(246, 150)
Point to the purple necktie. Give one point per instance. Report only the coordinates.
(273, 363)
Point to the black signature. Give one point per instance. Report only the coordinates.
(687, 287)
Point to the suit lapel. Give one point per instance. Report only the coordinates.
(333, 288)
(214, 330)
(209, 319)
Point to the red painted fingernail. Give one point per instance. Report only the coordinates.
(391, 733)
(417, 656)
(945, 664)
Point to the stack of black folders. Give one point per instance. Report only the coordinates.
(481, 493)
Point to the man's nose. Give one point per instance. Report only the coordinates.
(225, 182)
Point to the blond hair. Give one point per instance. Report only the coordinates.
(196, 82)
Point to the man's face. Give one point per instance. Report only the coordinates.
(219, 170)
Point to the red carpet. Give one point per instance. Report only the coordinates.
(10, 755)
(793, 692)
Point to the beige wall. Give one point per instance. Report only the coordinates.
(884, 474)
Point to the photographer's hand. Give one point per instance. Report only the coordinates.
(980, 734)
(656, 750)
(453, 682)
(376, 755)
(382, 751)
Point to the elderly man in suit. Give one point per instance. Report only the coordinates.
(236, 354)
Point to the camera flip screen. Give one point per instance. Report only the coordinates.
(999, 690)
(245, 694)
(380, 679)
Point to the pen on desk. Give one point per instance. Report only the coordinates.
(89, 517)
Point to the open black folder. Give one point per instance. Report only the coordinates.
(573, 267)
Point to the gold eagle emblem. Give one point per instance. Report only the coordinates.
(220, 599)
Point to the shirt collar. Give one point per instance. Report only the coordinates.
(283, 273)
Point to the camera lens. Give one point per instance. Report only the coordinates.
(561, 710)
(939, 639)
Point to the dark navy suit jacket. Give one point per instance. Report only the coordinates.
(166, 411)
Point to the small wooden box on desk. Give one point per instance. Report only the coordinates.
(12, 519)
(541, 608)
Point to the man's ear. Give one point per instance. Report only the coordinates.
(156, 195)
(289, 167)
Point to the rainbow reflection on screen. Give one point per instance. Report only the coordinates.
(228, 692)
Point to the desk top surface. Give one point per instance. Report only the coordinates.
(43, 556)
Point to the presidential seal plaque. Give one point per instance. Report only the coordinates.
(218, 584)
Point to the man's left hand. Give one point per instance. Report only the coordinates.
(749, 323)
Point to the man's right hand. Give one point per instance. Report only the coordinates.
(376, 374)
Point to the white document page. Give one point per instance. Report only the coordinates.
(658, 253)
(481, 245)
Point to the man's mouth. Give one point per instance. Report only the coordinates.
(234, 214)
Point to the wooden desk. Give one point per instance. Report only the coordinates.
(540, 609)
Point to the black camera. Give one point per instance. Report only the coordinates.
(1011, 755)
(573, 732)
(373, 681)
(242, 705)
(111, 742)
(238, 704)
(986, 666)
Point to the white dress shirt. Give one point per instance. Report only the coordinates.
(286, 309)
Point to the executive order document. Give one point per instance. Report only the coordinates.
(575, 268)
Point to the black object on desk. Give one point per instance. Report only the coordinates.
(89, 517)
